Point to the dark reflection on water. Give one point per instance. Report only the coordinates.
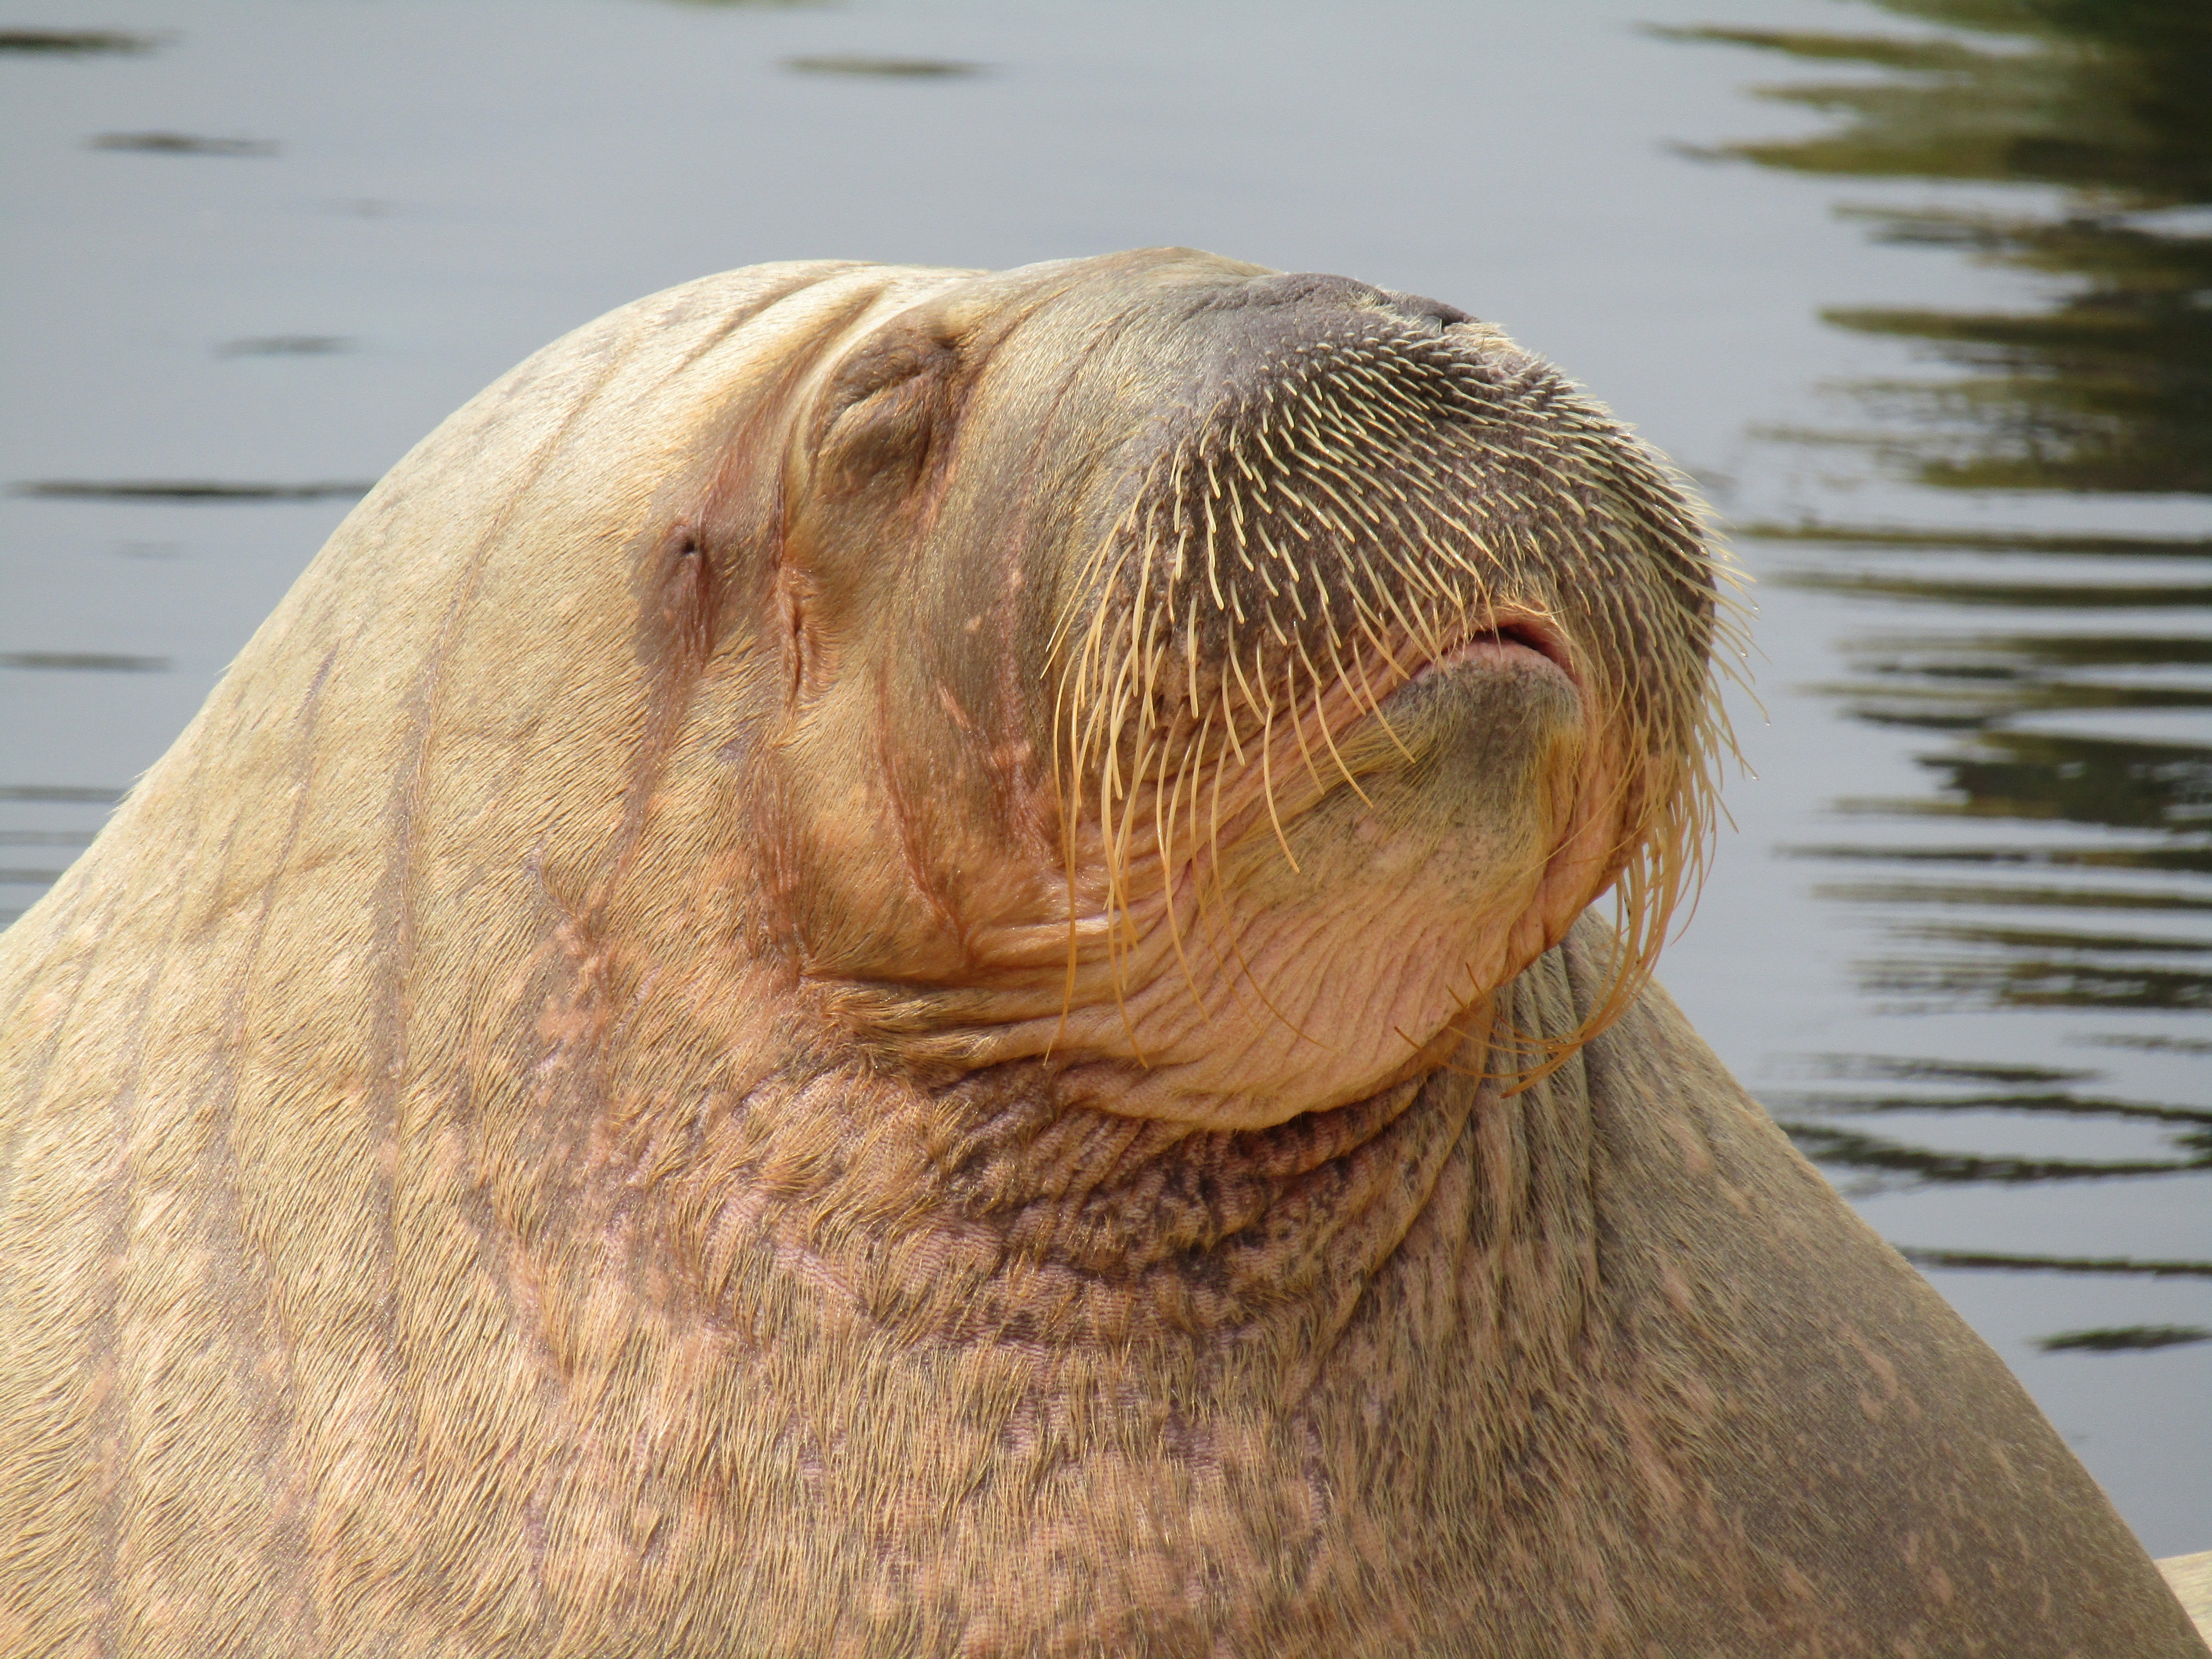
(182, 144)
(30, 860)
(187, 490)
(2060, 678)
(2110, 387)
(2059, 1264)
(284, 345)
(73, 41)
(100, 662)
(50, 794)
(1983, 541)
(895, 69)
(1940, 1086)
(2112, 1338)
(1877, 1156)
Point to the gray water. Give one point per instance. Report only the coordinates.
(1935, 337)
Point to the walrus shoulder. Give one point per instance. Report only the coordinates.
(1865, 1449)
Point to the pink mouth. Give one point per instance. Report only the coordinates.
(1524, 643)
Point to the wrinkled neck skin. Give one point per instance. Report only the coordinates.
(833, 1182)
(1154, 1353)
(980, 1157)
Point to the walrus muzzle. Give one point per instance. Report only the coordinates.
(1342, 652)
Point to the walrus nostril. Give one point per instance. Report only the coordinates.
(1301, 286)
(1298, 287)
(1434, 315)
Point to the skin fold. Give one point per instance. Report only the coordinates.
(893, 961)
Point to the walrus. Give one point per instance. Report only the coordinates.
(893, 961)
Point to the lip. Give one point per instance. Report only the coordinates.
(1523, 644)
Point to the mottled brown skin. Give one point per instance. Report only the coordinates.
(589, 1106)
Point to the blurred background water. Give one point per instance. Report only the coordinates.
(1920, 291)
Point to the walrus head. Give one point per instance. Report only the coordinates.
(1217, 680)
(1195, 688)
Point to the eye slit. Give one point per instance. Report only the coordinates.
(885, 406)
(882, 365)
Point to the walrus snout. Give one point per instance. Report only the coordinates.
(1167, 638)
(1292, 606)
